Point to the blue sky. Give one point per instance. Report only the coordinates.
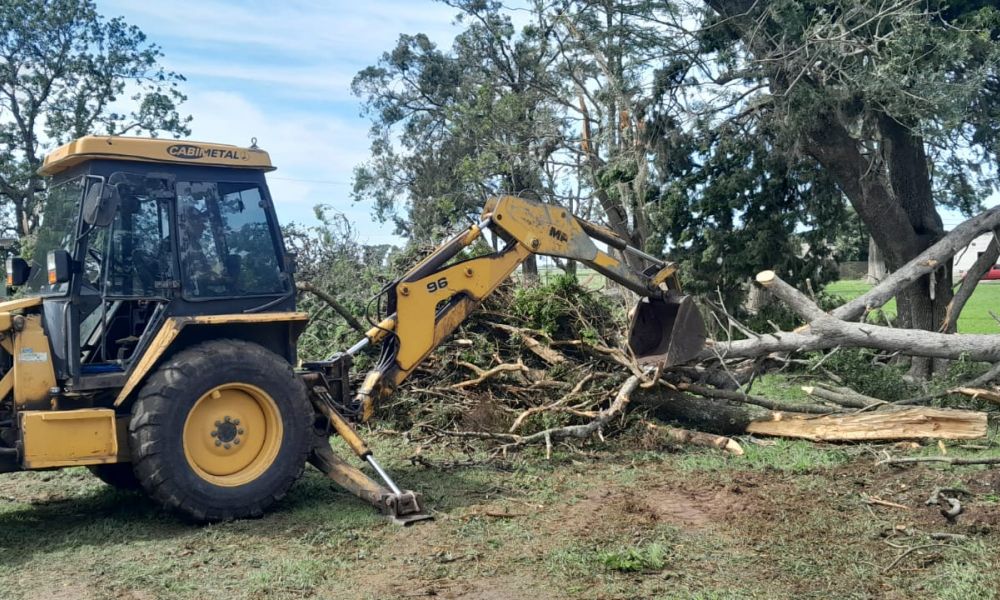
(281, 72)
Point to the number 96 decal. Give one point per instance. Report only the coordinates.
(440, 284)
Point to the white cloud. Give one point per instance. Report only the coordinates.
(281, 72)
(308, 31)
(315, 154)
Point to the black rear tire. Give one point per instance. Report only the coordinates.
(117, 475)
(174, 458)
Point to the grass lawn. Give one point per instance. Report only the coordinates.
(975, 317)
(633, 517)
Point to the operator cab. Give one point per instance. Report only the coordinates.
(136, 230)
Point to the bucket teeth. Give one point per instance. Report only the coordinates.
(666, 332)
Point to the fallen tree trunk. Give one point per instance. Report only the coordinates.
(704, 414)
(902, 424)
(926, 262)
(824, 331)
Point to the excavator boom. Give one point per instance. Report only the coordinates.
(430, 301)
(426, 304)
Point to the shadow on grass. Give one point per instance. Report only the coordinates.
(75, 514)
(92, 518)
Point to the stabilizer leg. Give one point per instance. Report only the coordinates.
(401, 506)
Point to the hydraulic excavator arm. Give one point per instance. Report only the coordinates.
(430, 301)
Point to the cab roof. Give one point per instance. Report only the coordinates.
(154, 150)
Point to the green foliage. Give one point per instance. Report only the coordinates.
(63, 68)
(961, 371)
(746, 206)
(864, 371)
(651, 557)
(450, 127)
(564, 309)
(330, 258)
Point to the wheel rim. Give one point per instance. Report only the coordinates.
(232, 434)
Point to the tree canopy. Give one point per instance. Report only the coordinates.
(65, 72)
(727, 134)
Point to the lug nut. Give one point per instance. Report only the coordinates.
(227, 446)
(218, 442)
(239, 431)
(236, 421)
(236, 441)
(214, 434)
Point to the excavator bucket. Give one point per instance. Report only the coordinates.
(666, 332)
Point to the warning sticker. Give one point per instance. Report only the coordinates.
(29, 355)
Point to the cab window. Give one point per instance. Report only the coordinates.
(138, 248)
(226, 243)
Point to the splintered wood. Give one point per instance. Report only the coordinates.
(903, 424)
(992, 395)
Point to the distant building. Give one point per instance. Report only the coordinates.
(964, 259)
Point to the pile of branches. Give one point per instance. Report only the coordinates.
(535, 365)
(546, 365)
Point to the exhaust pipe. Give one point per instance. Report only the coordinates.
(666, 332)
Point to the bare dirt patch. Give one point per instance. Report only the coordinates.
(686, 505)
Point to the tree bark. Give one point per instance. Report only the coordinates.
(714, 416)
(982, 265)
(876, 263)
(529, 269)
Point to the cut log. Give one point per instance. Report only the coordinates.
(698, 438)
(904, 424)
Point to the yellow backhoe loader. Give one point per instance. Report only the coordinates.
(153, 333)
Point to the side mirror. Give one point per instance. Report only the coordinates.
(17, 271)
(101, 204)
(291, 263)
(58, 264)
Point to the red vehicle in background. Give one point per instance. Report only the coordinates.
(992, 274)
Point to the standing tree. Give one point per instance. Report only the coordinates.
(892, 98)
(470, 122)
(65, 72)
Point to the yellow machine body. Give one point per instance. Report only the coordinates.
(58, 436)
(154, 150)
(62, 438)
